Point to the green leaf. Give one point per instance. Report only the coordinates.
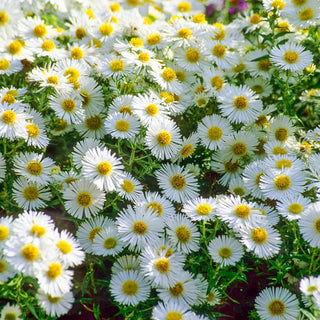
(265, 57)
(308, 314)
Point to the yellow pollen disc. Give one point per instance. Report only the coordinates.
(199, 89)
(255, 18)
(242, 211)
(3, 266)
(30, 252)
(231, 167)
(184, 6)
(4, 233)
(257, 89)
(312, 288)
(259, 235)
(168, 74)
(4, 64)
(70, 180)
(183, 234)
(106, 29)
(85, 98)
(291, 56)
(299, 2)
(176, 97)
(153, 39)
(93, 232)
(219, 50)
(68, 105)
(53, 299)
(258, 177)
(31, 193)
(54, 270)
(240, 102)
(77, 53)
(276, 307)
(220, 33)
(110, 243)
(15, 47)
(187, 150)
(130, 287)
(282, 134)
(239, 149)
(3, 18)
(177, 289)
(225, 252)
(178, 182)
(38, 231)
(278, 4)
(114, 7)
(317, 225)
(295, 208)
(96, 43)
(283, 163)
(169, 98)
(217, 82)
(62, 124)
(136, 42)
(140, 227)
(93, 123)
(116, 65)
(53, 80)
(125, 109)
(48, 45)
(201, 102)
(152, 109)
(306, 14)
(282, 182)
(122, 125)
(104, 168)
(84, 199)
(203, 209)
(128, 186)
(238, 68)
(214, 133)
(238, 191)
(72, 74)
(264, 65)
(181, 76)
(193, 55)
(162, 265)
(164, 138)
(199, 18)
(144, 57)
(211, 296)
(184, 33)
(147, 20)
(64, 246)
(156, 207)
(9, 98)
(80, 33)
(40, 30)
(34, 167)
(279, 150)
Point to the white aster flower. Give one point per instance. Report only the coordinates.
(200, 208)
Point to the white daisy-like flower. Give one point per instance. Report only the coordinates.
(172, 310)
(213, 130)
(225, 250)
(167, 79)
(178, 184)
(131, 188)
(55, 305)
(275, 147)
(7, 271)
(291, 56)
(5, 230)
(310, 285)
(276, 184)
(278, 5)
(220, 54)
(262, 66)
(83, 199)
(281, 128)
(9, 66)
(237, 187)
(276, 303)
(11, 312)
(187, 148)
(129, 287)
(183, 233)
(239, 104)
(309, 224)
(260, 86)
(200, 208)
(10, 13)
(92, 127)
(292, 207)
(126, 262)
(82, 52)
(213, 80)
(114, 66)
(284, 161)
(103, 168)
(139, 227)
(121, 104)
(213, 297)
(44, 47)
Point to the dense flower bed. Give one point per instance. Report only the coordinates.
(159, 159)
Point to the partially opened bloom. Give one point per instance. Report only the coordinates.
(11, 312)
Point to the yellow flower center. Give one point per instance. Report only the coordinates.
(125, 109)
(283, 163)
(144, 57)
(299, 2)
(153, 39)
(199, 18)
(162, 265)
(279, 150)
(238, 191)
(115, 7)
(239, 149)
(77, 53)
(168, 74)
(73, 74)
(54, 270)
(242, 211)
(181, 76)
(164, 138)
(84, 199)
(258, 177)
(295, 208)
(4, 233)
(152, 109)
(68, 105)
(9, 98)
(231, 167)
(214, 133)
(94, 123)
(257, 89)
(10, 316)
(281, 134)
(217, 82)
(220, 33)
(15, 47)
(96, 43)
(53, 299)
(34, 167)
(306, 14)
(31, 193)
(187, 150)
(219, 50)
(312, 288)
(122, 125)
(80, 33)
(317, 225)
(240, 102)
(238, 68)
(183, 234)
(184, 6)
(282, 182)
(3, 266)
(225, 252)
(278, 4)
(64, 246)
(48, 45)
(276, 307)
(85, 98)
(38, 231)
(3, 17)
(140, 227)
(53, 80)
(178, 182)
(104, 168)
(106, 29)
(93, 232)
(291, 56)
(61, 125)
(30, 252)
(193, 55)
(174, 315)
(110, 243)
(128, 186)
(184, 33)
(4, 64)
(130, 287)
(156, 207)
(116, 65)
(259, 235)
(177, 289)
(264, 65)
(255, 18)
(136, 42)
(203, 209)
(40, 30)
(169, 98)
